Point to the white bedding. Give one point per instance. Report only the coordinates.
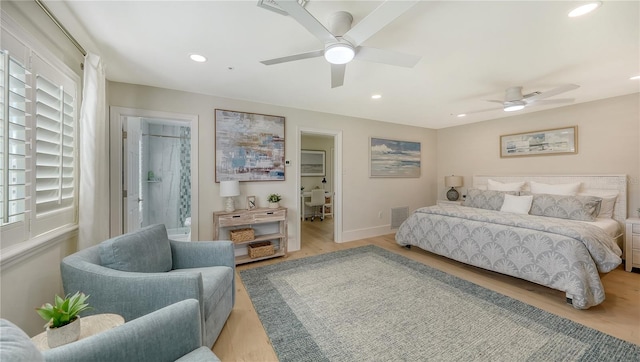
(611, 226)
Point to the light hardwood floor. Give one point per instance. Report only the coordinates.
(244, 339)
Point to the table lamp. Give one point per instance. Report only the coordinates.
(229, 189)
(453, 182)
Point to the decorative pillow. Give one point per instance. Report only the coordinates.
(486, 199)
(608, 201)
(147, 250)
(15, 345)
(517, 204)
(558, 189)
(583, 208)
(501, 186)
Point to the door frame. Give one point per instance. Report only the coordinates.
(115, 163)
(337, 180)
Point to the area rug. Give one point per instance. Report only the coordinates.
(369, 304)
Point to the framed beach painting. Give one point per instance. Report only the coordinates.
(249, 146)
(555, 141)
(312, 163)
(394, 158)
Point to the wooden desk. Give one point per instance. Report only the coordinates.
(89, 326)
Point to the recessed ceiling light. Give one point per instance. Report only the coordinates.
(584, 9)
(635, 77)
(461, 115)
(197, 58)
(376, 96)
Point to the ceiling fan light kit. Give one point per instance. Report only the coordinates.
(515, 100)
(339, 53)
(514, 106)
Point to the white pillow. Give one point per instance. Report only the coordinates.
(517, 204)
(501, 186)
(558, 189)
(608, 201)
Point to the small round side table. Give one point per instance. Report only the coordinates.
(89, 326)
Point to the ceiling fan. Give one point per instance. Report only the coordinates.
(514, 100)
(342, 42)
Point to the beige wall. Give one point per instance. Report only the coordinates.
(318, 143)
(363, 197)
(608, 143)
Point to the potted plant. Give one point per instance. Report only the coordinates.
(63, 321)
(274, 200)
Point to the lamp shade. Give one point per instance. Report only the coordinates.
(453, 181)
(229, 188)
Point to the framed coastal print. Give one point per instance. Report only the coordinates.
(312, 163)
(557, 141)
(394, 158)
(249, 146)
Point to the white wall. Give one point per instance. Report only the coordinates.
(318, 143)
(363, 197)
(608, 143)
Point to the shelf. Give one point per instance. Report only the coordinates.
(243, 259)
(264, 237)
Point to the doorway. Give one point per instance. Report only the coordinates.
(327, 143)
(154, 172)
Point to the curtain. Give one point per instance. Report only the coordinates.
(94, 156)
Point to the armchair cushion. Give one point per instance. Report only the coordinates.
(145, 251)
(15, 345)
(216, 281)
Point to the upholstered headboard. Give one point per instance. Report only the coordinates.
(617, 183)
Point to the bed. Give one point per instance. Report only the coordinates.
(550, 248)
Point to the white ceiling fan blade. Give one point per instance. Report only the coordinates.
(542, 102)
(553, 92)
(386, 57)
(495, 101)
(337, 75)
(482, 110)
(291, 58)
(307, 20)
(378, 19)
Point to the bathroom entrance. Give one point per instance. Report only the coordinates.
(157, 170)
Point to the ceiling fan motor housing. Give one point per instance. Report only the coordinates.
(340, 23)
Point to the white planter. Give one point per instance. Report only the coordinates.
(63, 335)
(274, 205)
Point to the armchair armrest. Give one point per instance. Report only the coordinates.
(129, 294)
(164, 335)
(198, 254)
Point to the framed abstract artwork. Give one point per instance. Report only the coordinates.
(393, 158)
(249, 146)
(555, 141)
(312, 163)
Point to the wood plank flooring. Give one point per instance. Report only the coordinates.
(244, 339)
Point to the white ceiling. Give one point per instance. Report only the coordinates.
(471, 52)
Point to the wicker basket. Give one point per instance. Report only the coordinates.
(240, 235)
(258, 250)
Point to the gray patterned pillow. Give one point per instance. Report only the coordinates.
(583, 208)
(486, 199)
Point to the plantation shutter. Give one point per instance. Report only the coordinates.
(14, 80)
(55, 143)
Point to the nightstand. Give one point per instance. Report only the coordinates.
(632, 244)
(447, 202)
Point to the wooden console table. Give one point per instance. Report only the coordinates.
(270, 225)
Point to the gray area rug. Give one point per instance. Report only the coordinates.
(369, 304)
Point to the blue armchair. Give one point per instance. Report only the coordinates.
(137, 273)
(169, 334)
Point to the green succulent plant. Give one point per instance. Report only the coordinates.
(64, 311)
(274, 198)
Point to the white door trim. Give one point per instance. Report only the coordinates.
(337, 182)
(115, 163)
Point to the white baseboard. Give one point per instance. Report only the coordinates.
(351, 235)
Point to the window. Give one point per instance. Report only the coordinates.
(38, 157)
